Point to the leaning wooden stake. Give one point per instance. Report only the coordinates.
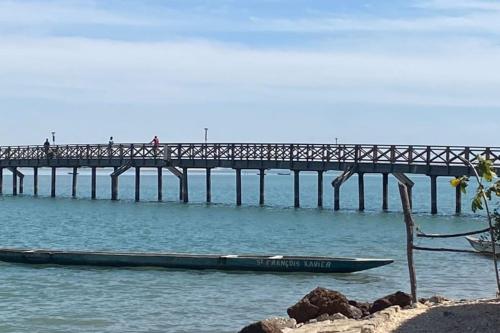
(405, 201)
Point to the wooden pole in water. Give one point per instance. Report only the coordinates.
(93, 182)
(320, 188)
(433, 194)
(238, 187)
(458, 200)
(385, 191)
(53, 183)
(160, 183)
(262, 174)
(361, 191)
(14, 181)
(296, 188)
(137, 184)
(73, 182)
(405, 201)
(185, 185)
(1, 181)
(35, 181)
(209, 185)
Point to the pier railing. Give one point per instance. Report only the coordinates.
(360, 153)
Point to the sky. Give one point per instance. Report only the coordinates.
(382, 72)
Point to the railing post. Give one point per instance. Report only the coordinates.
(1, 180)
(410, 154)
(356, 153)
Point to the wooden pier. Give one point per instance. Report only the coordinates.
(178, 158)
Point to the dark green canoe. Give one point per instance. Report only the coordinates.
(193, 261)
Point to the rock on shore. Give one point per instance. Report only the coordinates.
(391, 313)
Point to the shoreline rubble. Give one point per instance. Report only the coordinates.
(325, 311)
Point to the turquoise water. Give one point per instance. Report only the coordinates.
(83, 299)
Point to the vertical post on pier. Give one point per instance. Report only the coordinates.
(1, 181)
(238, 187)
(114, 187)
(262, 174)
(385, 191)
(21, 183)
(35, 181)
(93, 182)
(433, 194)
(14, 181)
(160, 183)
(137, 183)
(181, 195)
(73, 182)
(53, 183)
(336, 197)
(185, 186)
(296, 188)
(458, 200)
(361, 190)
(320, 188)
(209, 185)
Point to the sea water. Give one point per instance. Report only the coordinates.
(94, 299)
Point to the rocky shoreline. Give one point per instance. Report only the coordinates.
(325, 311)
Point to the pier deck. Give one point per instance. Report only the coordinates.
(178, 158)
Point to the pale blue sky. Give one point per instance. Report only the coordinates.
(402, 72)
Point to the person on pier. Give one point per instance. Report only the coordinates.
(46, 148)
(110, 146)
(156, 144)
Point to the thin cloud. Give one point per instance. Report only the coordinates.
(201, 72)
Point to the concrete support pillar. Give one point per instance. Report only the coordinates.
(137, 184)
(35, 181)
(336, 197)
(114, 187)
(385, 191)
(433, 194)
(296, 188)
(21, 184)
(209, 185)
(320, 188)
(160, 183)
(74, 179)
(458, 200)
(185, 185)
(93, 182)
(181, 195)
(361, 190)
(238, 187)
(262, 175)
(14, 181)
(53, 183)
(1, 181)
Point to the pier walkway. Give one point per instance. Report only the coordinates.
(178, 158)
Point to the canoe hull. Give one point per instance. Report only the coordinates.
(190, 261)
(482, 245)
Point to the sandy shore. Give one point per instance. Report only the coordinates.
(450, 316)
